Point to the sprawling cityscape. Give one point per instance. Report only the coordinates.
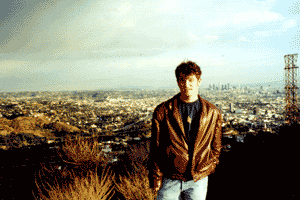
(248, 109)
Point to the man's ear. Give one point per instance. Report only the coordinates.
(199, 81)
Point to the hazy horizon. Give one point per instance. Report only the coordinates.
(56, 45)
(271, 85)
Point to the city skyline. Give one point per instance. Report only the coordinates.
(55, 45)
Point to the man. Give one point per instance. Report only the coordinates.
(186, 140)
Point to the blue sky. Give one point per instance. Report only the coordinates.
(89, 45)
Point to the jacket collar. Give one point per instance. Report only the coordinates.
(177, 115)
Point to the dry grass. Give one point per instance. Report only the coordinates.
(81, 188)
(21, 124)
(63, 127)
(4, 121)
(133, 185)
(5, 130)
(138, 152)
(81, 151)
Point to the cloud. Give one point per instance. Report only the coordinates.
(169, 6)
(192, 36)
(82, 29)
(122, 8)
(77, 30)
(211, 37)
(289, 24)
(256, 17)
(207, 38)
(262, 33)
(280, 29)
(19, 67)
(243, 39)
(61, 29)
(248, 18)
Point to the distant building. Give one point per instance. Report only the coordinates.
(255, 110)
(214, 87)
(231, 108)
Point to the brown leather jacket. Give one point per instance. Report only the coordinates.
(169, 147)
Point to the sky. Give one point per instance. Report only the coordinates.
(59, 45)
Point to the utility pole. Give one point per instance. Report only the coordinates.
(291, 108)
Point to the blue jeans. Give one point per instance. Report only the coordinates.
(178, 189)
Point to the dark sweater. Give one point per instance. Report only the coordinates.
(190, 110)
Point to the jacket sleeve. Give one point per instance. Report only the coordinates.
(155, 175)
(217, 143)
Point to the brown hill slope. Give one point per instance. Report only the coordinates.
(31, 130)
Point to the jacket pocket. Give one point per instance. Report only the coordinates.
(203, 166)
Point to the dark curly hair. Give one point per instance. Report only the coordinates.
(188, 68)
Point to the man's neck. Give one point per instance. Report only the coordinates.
(188, 99)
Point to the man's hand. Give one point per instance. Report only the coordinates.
(157, 186)
(154, 191)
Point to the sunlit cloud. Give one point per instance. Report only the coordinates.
(290, 23)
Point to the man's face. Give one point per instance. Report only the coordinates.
(188, 85)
